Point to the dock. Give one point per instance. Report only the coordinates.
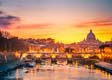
(104, 66)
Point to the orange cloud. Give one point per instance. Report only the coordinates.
(34, 26)
(100, 23)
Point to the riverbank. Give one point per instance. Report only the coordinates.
(104, 66)
(9, 66)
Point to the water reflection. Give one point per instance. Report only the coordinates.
(57, 72)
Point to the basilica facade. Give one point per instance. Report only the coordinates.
(90, 44)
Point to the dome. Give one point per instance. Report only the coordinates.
(91, 36)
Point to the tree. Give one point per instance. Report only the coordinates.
(102, 47)
(11, 44)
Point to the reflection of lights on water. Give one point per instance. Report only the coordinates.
(86, 66)
(63, 72)
(76, 64)
(17, 74)
(109, 76)
(104, 74)
(92, 66)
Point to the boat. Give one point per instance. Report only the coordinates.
(62, 62)
(25, 70)
(29, 63)
(46, 67)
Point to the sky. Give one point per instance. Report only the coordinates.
(66, 21)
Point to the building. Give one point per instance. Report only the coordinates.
(90, 44)
(108, 46)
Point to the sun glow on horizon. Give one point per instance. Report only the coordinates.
(65, 21)
(64, 34)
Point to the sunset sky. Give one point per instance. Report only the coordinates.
(64, 20)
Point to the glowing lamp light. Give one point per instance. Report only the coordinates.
(86, 56)
(53, 55)
(38, 55)
(24, 55)
(69, 55)
(17, 55)
(100, 56)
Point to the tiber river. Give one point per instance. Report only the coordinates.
(57, 72)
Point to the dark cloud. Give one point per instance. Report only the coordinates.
(7, 20)
(100, 23)
(1, 12)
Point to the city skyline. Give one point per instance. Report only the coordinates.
(65, 21)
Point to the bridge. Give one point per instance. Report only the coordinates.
(54, 56)
(46, 55)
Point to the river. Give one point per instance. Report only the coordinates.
(57, 72)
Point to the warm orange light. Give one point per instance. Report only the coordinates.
(24, 55)
(17, 54)
(85, 55)
(38, 55)
(53, 55)
(69, 56)
(99, 56)
(108, 50)
(63, 33)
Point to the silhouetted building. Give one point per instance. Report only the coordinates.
(90, 44)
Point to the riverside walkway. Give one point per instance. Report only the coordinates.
(105, 66)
